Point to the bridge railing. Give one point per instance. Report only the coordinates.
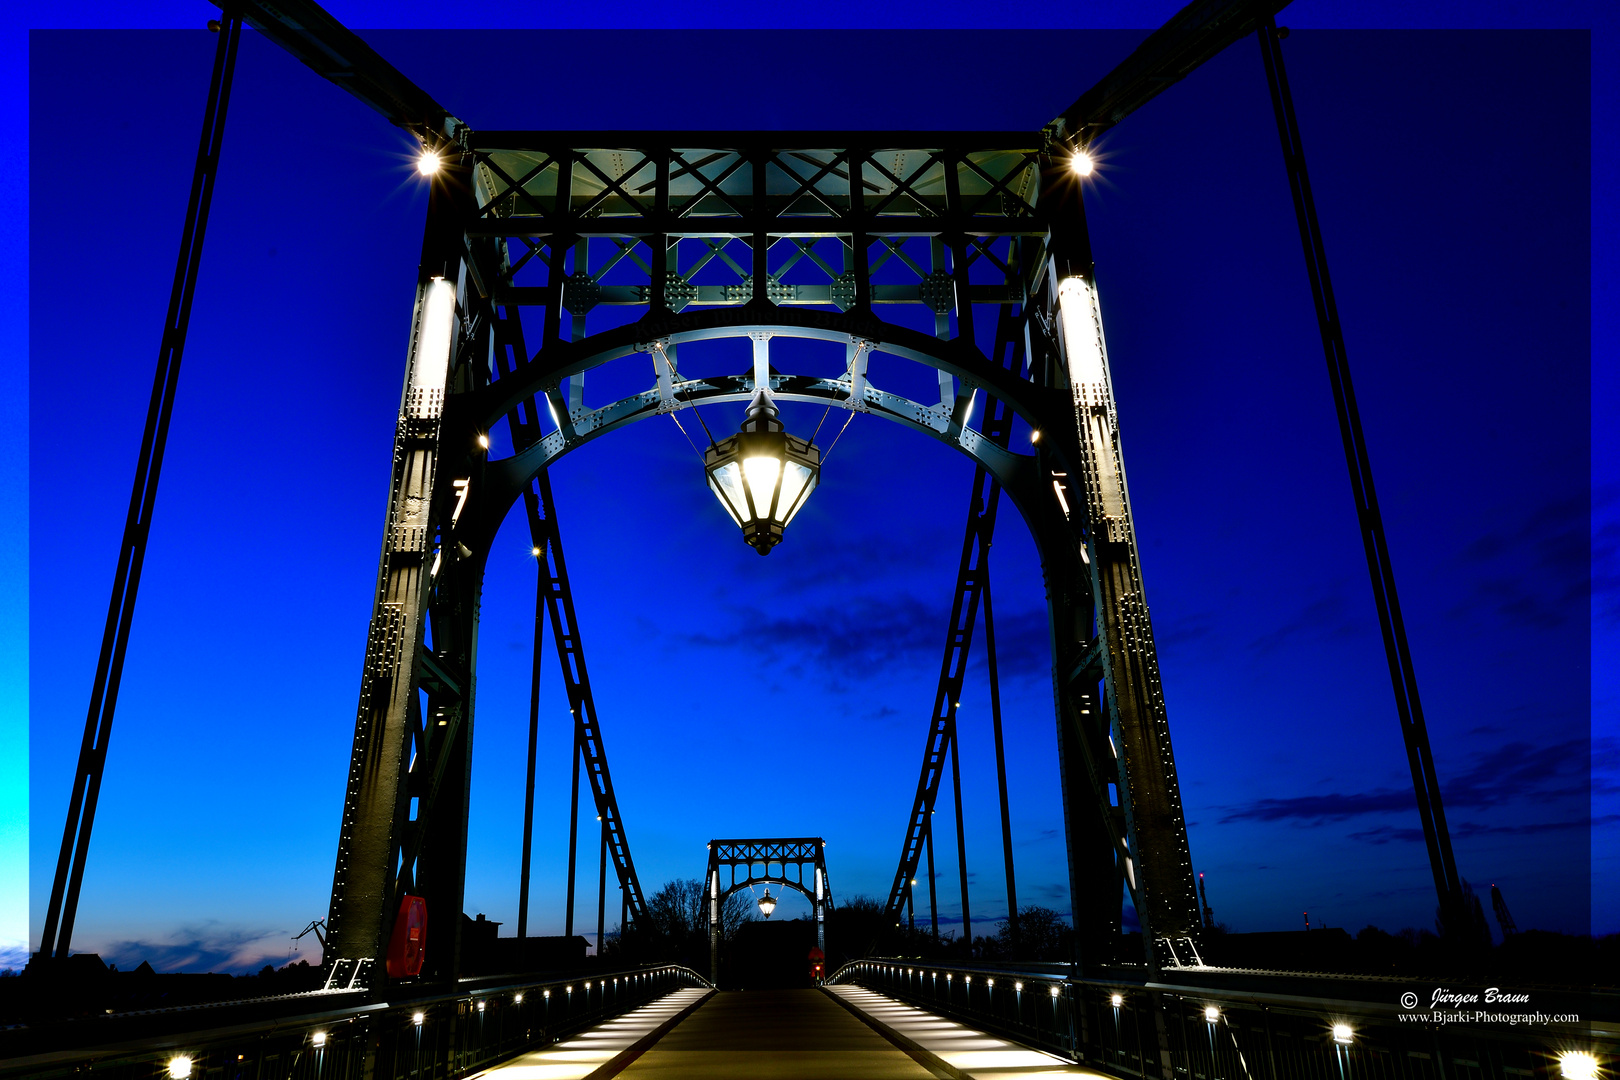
(1132, 1027)
(341, 1036)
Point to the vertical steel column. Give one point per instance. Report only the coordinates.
(1403, 678)
(601, 893)
(1001, 759)
(81, 816)
(1153, 848)
(400, 807)
(534, 739)
(714, 919)
(573, 834)
(933, 901)
(961, 841)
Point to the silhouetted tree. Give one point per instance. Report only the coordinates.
(679, 914)
(1043, 934)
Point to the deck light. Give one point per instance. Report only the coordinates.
(518, 998)
(428, 164)
(483, 442)
(417, 1018)
(767, 903)
(1055, 991)
(180, 1068)
(1572, 1065)
(762, 475)
(1211, 1014)
(318, 1039)
(1018, 986)
(1117, 1000)
(1081, 163)
(1342, 1033)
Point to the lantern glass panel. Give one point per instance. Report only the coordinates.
(798, 481)
(761, 474)
(715, 487)
(727, 482)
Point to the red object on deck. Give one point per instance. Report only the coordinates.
(407, 948)
(817, 959)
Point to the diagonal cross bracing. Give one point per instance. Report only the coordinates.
(541, 511)
(971, 575)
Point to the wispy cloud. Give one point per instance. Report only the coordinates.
(1324, 617)
(1501, 774)
(213, 946)
(1546, 558)
(1387, 834)
(899, 629)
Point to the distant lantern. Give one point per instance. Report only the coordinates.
(767, 903)
(762, 475)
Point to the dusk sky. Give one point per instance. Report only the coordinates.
(790, 695)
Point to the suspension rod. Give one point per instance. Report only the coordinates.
(534, 739)
(1425, 785)
(540, 507)
(81, 815)
(1001, 760)
(982, 504)
(961, 841)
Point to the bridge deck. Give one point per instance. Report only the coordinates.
(783, 1035)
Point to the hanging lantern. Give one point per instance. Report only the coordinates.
(762, 475)
(767, 903)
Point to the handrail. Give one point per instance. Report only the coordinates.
(454, 1031)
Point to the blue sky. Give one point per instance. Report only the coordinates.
(789, 695)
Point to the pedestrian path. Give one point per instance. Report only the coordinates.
(840, 1033)
(774, 1035)
(596, 1049)
(967, 1052)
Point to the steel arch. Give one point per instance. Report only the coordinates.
(504, 480)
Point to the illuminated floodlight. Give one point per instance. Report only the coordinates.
(518, 997)
(1018, 986)
(417, 1018)
(1342, 1033)
(1211, 1014)
(1054, 991)
(428, 164)
(1117, 1000)
(1081, 164)
(480, 1006)
(1572, 1065)
(546, 994)
(483, 442)
(318, 1039)
(180, 1068)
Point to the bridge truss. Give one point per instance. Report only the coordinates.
(966, 253)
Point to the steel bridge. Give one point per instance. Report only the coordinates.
(528, 234)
